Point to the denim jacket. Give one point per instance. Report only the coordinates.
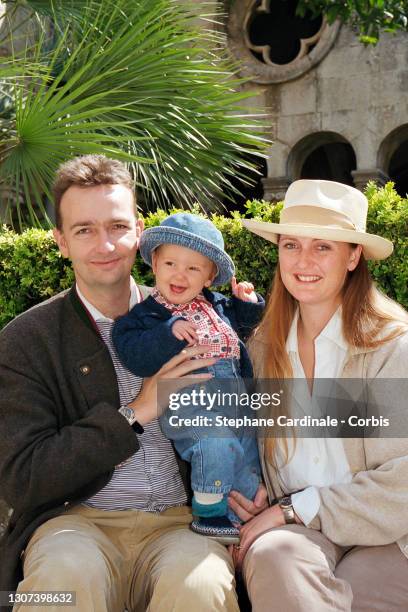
(145, 342)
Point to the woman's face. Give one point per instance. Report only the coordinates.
(314, 270)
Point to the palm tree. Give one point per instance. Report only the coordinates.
(133, 79)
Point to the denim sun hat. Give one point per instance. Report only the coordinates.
(192, 232)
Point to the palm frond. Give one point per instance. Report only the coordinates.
(137, 81)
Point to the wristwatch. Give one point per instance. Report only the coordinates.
(130, 416)
(288, 512)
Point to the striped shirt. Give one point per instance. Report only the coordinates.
(150, 479)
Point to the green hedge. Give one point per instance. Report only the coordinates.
(31, 268)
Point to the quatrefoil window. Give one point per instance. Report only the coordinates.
(276, 35)
(273, 44)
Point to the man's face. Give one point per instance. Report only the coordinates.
(100, 234)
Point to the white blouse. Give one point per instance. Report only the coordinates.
(315, 462)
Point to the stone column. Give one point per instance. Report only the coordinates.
(3, 49)
(275, 188)
(361, 177)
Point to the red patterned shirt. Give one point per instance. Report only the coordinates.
(212, 331)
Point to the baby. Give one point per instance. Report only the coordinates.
(186, 253)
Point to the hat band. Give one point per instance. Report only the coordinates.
(315, 215)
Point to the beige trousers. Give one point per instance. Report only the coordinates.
(138, 560)
(295, 569)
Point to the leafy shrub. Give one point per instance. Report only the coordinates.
(31, 268)
(388, 217)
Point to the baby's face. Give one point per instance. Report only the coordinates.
(181, 273)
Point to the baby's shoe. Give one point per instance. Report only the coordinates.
(217, 528)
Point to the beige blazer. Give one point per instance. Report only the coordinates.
(372, 509)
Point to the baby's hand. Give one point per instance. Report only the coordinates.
(243, 291)
(184, 330)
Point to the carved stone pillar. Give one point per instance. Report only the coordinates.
(275, 188)
(3, 49)
(361, 177)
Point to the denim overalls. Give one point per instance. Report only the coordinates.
(221, 457)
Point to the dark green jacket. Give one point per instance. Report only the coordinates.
(60, 433)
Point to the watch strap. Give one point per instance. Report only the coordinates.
(130, 416)
(137, 427)
(286, 506)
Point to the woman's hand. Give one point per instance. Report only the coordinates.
(251, 531)
(245, 508)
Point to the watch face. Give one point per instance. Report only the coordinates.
(286, 502)
(127, 413)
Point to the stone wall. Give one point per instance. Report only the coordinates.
(24, 31)
(352, 94)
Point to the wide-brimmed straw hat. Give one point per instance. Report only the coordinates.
(192, 232)
(324, 209)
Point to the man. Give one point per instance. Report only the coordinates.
(99, 500)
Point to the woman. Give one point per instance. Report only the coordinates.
(337, 538)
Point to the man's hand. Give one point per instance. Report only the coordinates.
(185, 330)
(179, 371)
(243, 291)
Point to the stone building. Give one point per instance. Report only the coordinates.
(336, 109)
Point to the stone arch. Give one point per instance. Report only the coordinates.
(325, 155)
(247, 186)
(392, 158)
